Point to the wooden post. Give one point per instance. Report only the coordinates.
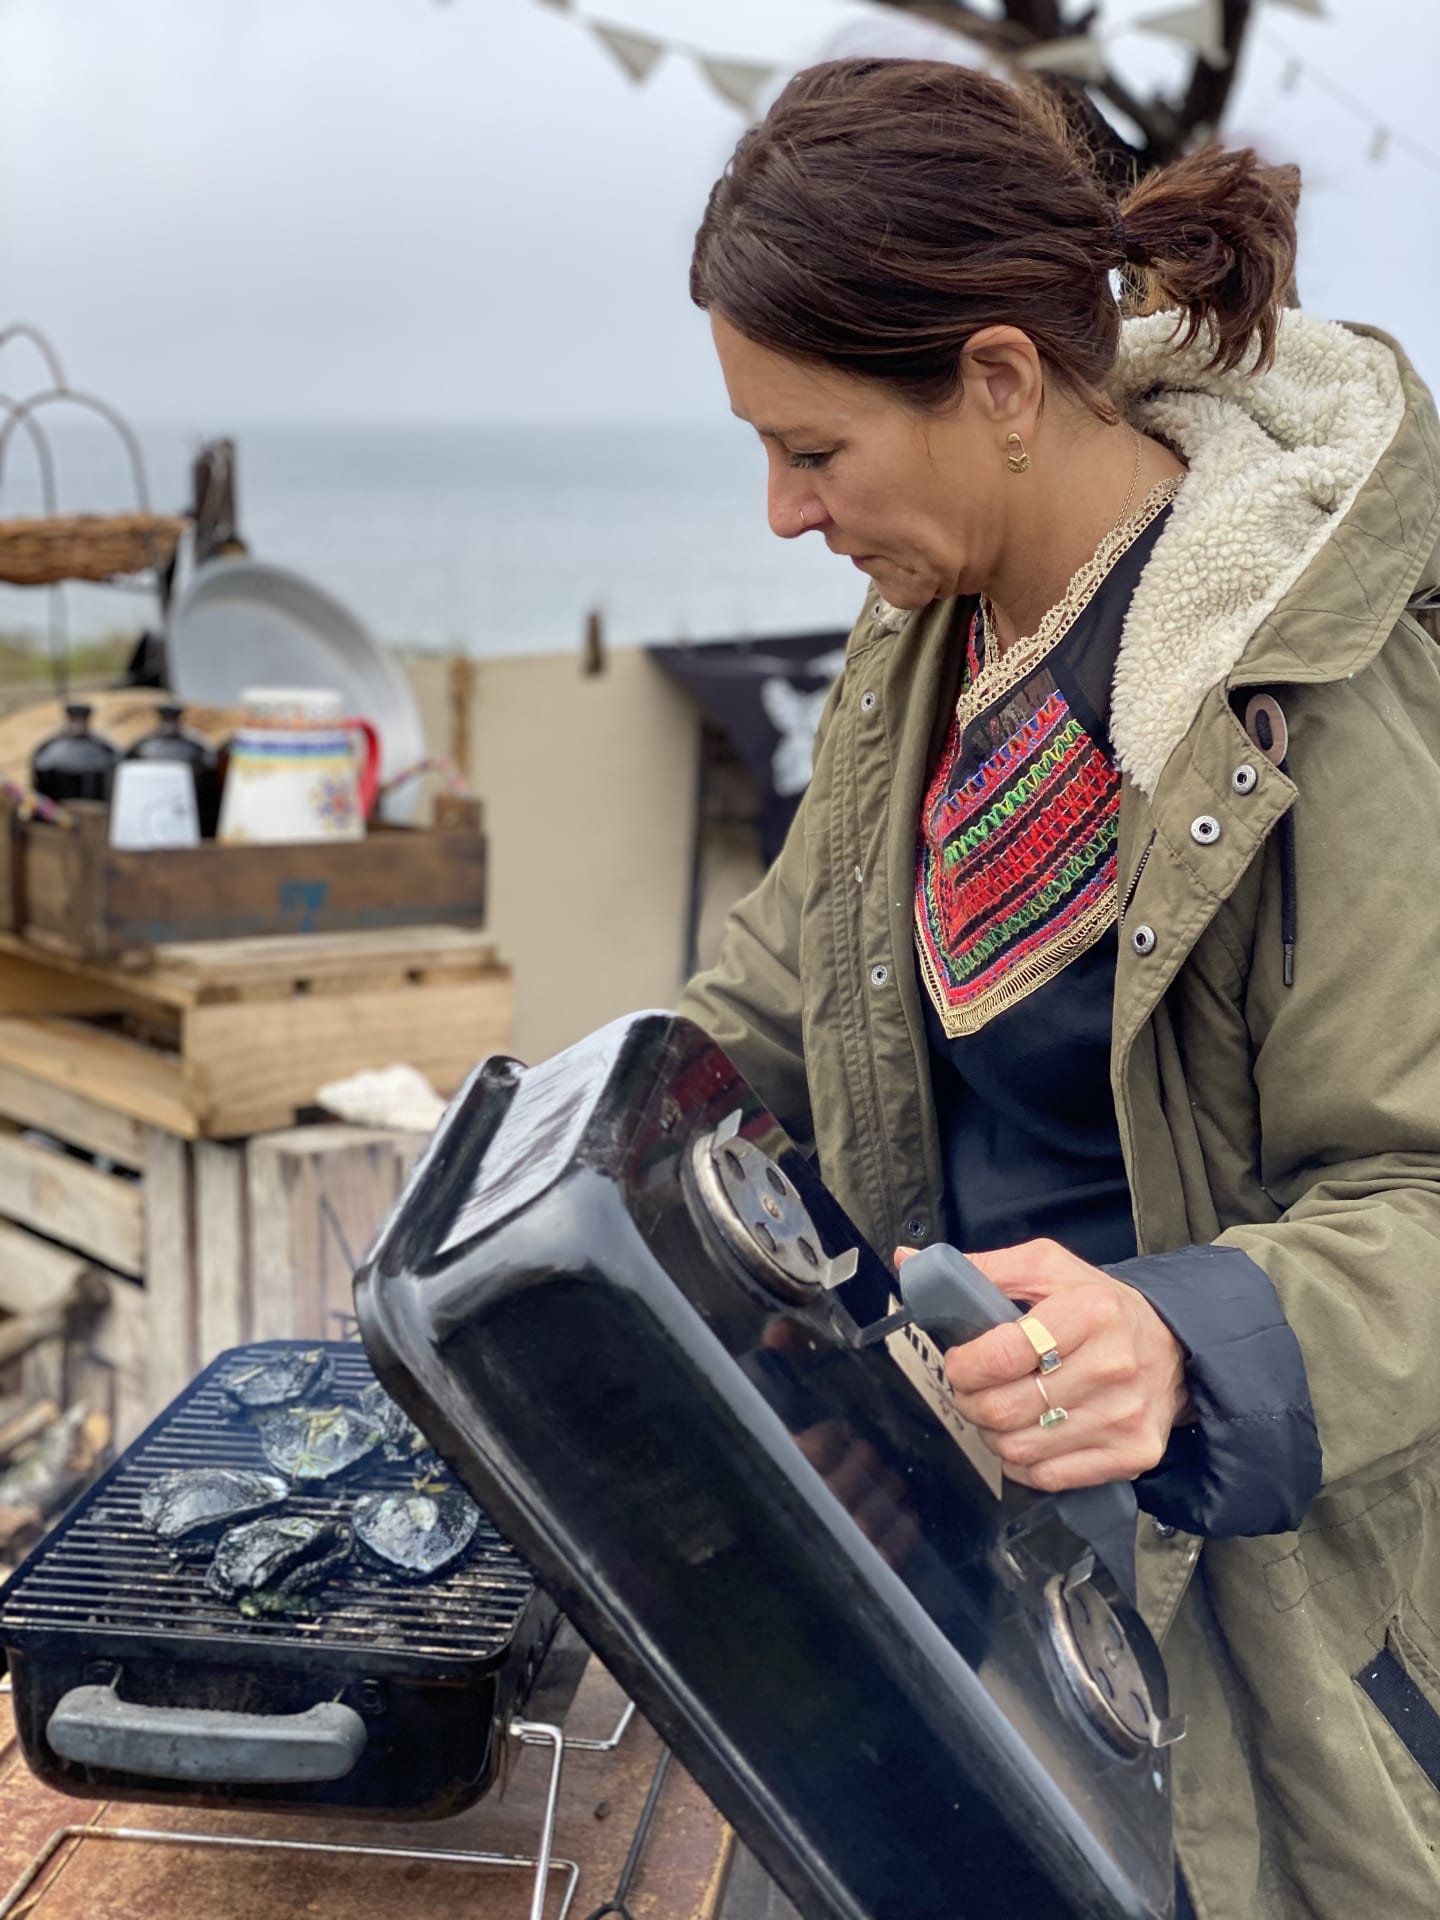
(169, 1264)
(461, 687)
(592, 652)
(222, 1249)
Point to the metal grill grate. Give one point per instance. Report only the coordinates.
(103, 1570)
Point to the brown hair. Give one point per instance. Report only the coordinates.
(884, 211)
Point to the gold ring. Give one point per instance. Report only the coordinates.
(1043, 1341)
(1053, 1416)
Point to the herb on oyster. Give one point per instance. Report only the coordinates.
(316, 1443)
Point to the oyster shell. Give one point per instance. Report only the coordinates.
(189, 1504)
(268, 1564)
(316, 1443)
(297, 1373)
(416, 1533)
(402, 1438)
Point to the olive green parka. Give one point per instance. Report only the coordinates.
(1299, 1122)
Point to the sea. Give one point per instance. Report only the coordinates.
(486, 539)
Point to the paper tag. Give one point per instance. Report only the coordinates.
(923, 1365)
(543, 1126)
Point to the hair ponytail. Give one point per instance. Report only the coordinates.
(884, 211)
(1213, 234)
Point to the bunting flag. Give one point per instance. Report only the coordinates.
(1201, 26)
(740, 82)
(1384, 138)
(1078, 57)
(636, 52)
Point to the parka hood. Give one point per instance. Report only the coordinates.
(1308, 521)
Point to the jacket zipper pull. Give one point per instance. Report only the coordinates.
(1130, 890)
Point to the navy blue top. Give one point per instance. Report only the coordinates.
(1028, 1134)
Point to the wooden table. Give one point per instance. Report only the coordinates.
(683, 1871)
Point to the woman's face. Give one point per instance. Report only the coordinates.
(915, 500)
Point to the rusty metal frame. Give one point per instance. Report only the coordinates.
(596, 1746)
(542, 1863)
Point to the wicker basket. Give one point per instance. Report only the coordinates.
(85, 546)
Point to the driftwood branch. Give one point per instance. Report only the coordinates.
(87, 1296)
(25, 1426)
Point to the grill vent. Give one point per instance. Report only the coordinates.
(103, 1571)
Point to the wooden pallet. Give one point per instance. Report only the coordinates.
(202, 1244)
(216, 1039)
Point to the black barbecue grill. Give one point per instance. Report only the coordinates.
(404, 1687)
(629, 1313)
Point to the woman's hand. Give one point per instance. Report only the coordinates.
(1121, 1379)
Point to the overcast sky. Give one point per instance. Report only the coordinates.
(233, 210)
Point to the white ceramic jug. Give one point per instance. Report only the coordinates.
(298, 769)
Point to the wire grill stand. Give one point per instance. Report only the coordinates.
(542, 1863)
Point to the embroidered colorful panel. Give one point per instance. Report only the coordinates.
(1016, 857)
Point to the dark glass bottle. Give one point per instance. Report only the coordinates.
(74, 764)
(170, 741)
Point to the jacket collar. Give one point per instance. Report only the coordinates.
(1309, 517)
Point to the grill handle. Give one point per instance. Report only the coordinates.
(94, 1727)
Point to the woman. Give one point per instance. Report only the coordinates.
(1104, 940)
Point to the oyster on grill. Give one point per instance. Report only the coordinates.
(316, 1443)
(268, 1565)
(298, 1373)
(402, 1438)
(190, 1504)
(418, 1532)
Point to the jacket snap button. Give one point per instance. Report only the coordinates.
(915, 1228)
(879, 975)
(1143, 940)
(1162, 1531)
(867, 702)
(1205, 829)
(1244, 779)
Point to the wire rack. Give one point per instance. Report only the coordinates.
(541, 1863)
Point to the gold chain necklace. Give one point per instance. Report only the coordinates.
(1134, 476)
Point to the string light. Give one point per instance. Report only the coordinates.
(1382, 136)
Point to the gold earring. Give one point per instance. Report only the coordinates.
(1018, 459)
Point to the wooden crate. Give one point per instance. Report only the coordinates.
(317, 1197)
(217, 1039)
(66, 886)
(143, 1348)
(222, 1243)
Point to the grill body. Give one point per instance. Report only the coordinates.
(894, 1734)
(432, 1669)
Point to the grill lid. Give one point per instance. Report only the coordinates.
(906, 1684)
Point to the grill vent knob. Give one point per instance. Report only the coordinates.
(761, 1216)
(1100, 1664)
